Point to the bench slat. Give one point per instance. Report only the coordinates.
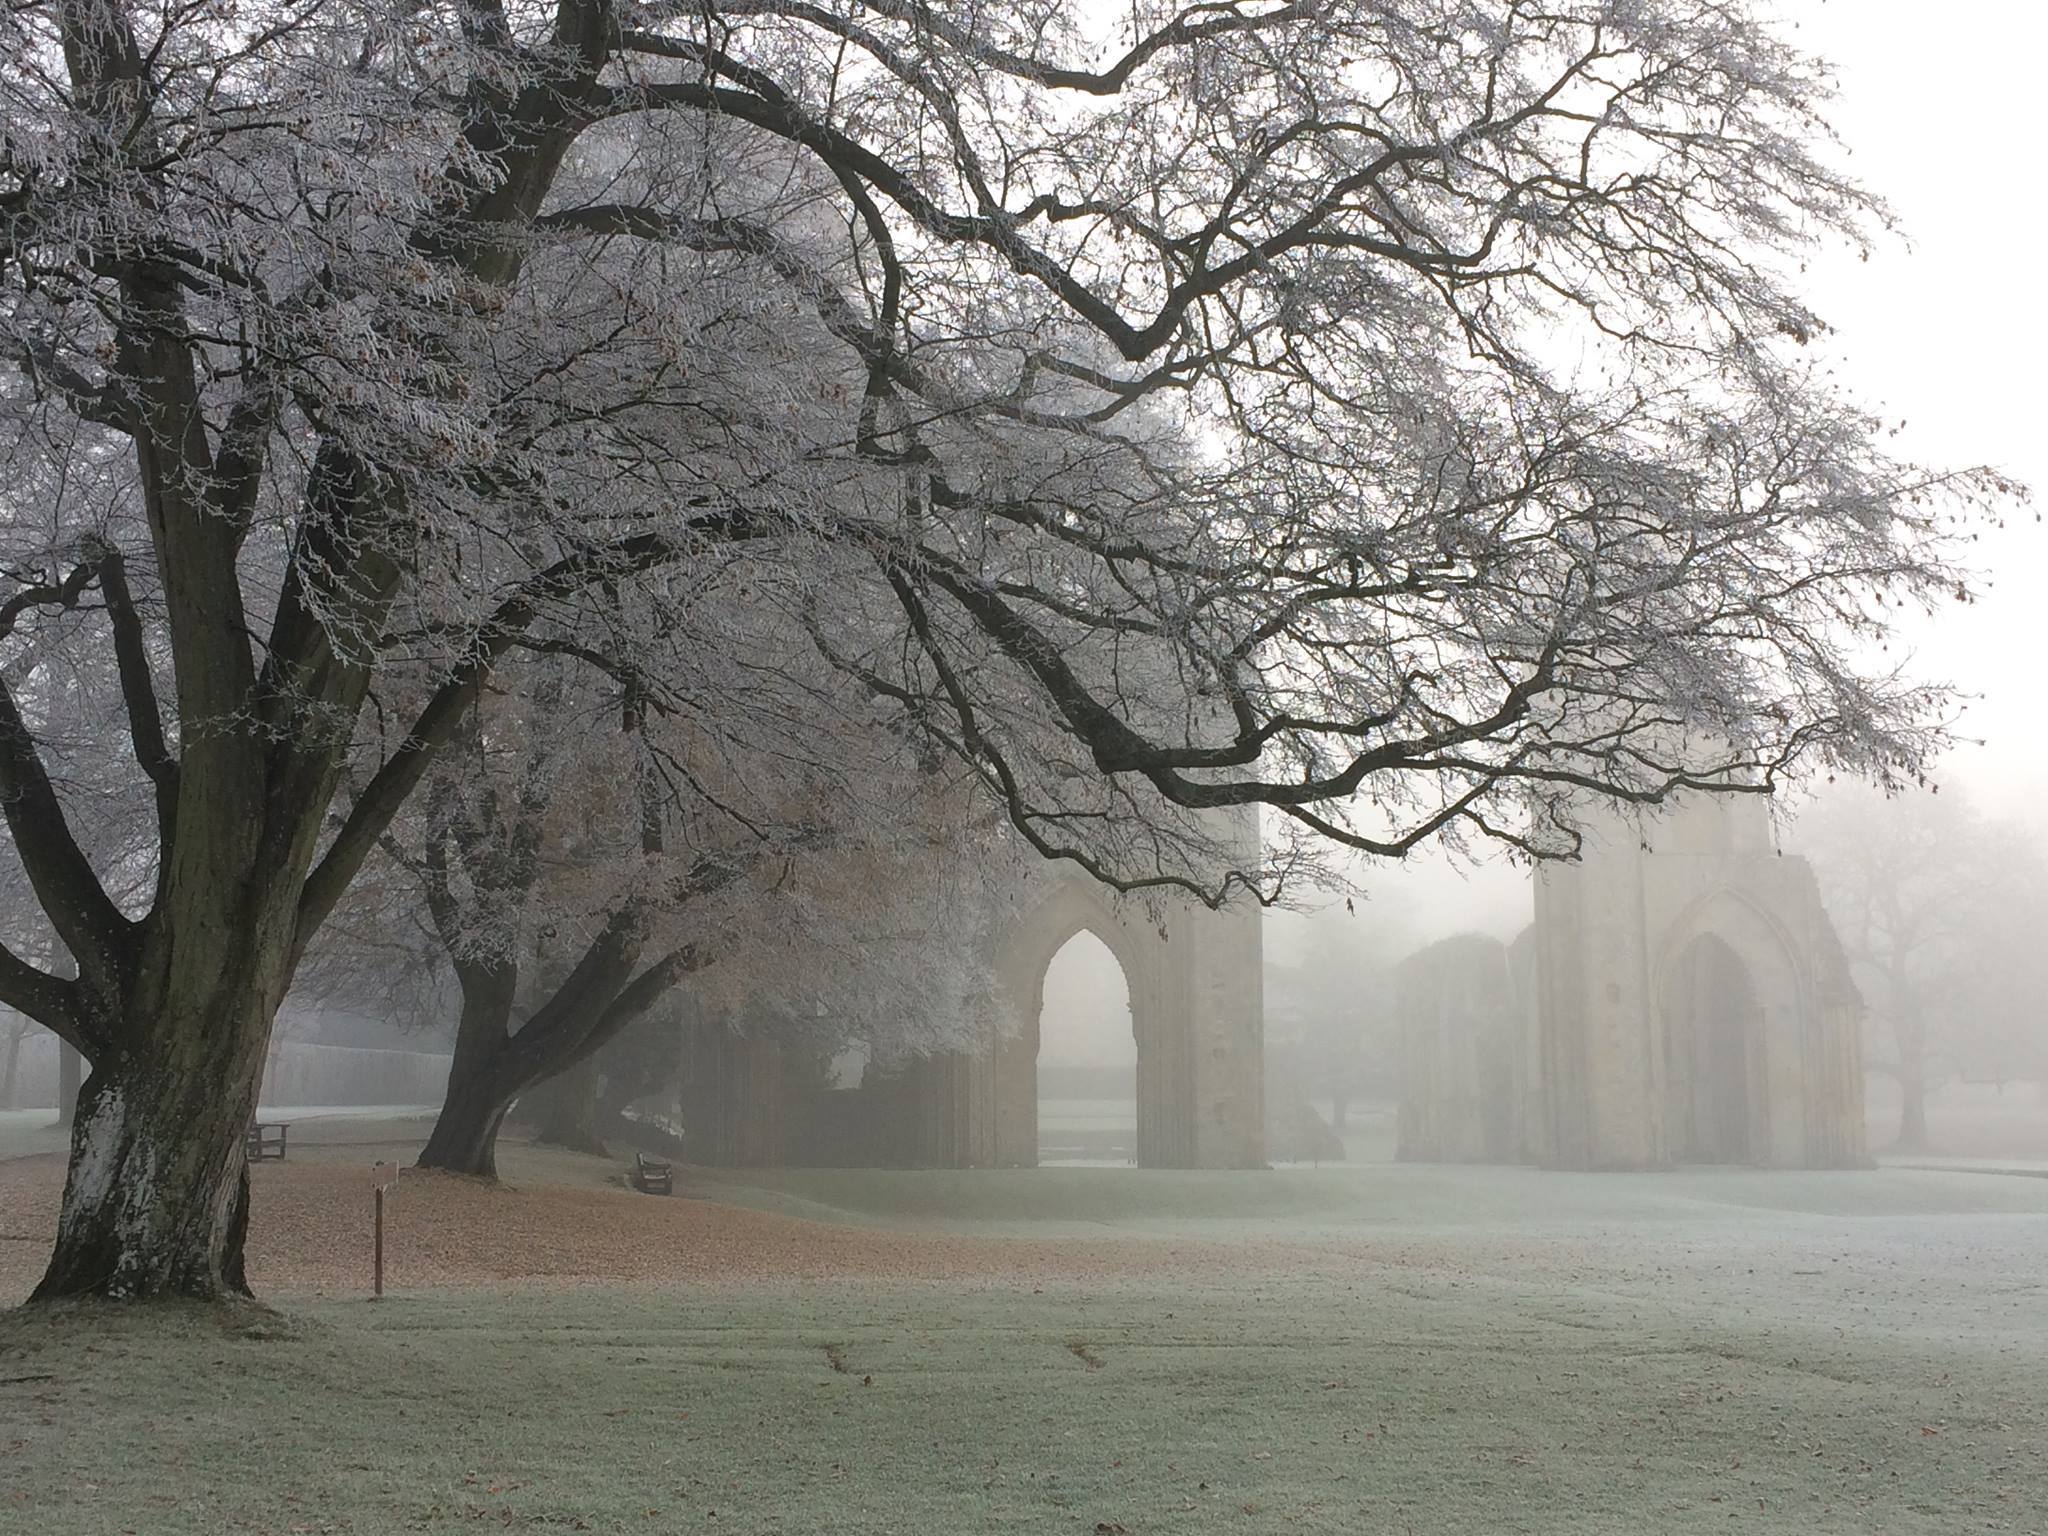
(265, 1141)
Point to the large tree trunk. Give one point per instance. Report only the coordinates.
(156, 1199)
(175, 1008)
(1910, 1032)
(465, 1137)
(495, 1065)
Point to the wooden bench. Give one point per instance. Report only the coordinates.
(652, 1176)
(265, 1141)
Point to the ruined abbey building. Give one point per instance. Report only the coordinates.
(1680, 998)
(1196, 997)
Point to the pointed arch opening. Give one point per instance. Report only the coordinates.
(1713, 1055)
(1087, 1068)
(1153, 1017)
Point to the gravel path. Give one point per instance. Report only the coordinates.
(311, 1223)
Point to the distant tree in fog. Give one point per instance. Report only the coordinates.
(1942, 913)
(1329, 1014)
(1390, 413)
(15, 1029)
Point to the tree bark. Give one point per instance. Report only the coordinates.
(465, 1137)
(494, 1064)
(156, 1201)
(1910, 1032)
(175, 1008)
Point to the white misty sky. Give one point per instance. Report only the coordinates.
(1940, 108)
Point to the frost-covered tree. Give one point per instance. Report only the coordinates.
(1389, 412)
(589, 843)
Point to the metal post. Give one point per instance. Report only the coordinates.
(380, 1240)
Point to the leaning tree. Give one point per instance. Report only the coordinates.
(1391, 413)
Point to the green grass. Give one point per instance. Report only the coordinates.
(1689, 1353)
(1407, 1350)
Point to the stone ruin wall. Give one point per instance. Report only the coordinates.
(1581, 1046)
(1196, 985)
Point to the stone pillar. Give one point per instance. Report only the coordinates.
(1225, 1028)
(942, 1107)
(1162, 1014)
(1010, 1071)
(732, 1099)
(1562, 1024)
(1196, 994)
(1602, 1058)
(1615, 980)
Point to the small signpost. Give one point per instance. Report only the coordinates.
(377, 1241)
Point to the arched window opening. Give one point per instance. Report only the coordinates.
(1712, 1057)
(1087, 1059)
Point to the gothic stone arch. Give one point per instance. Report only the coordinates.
(1714, 1047)
(1197, 1008)
(1618, 1005)
(1730, 998)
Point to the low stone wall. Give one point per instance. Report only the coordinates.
(299, 1073)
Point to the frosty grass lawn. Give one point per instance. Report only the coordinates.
(1447, 1350)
